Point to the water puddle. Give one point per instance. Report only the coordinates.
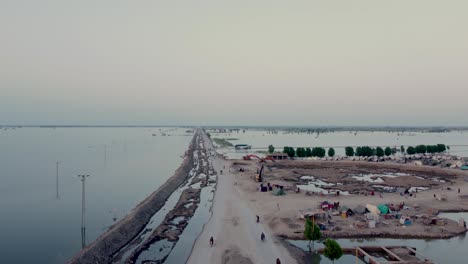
(181, 251)
(177, 220)
(155, 221)
(156, 252)
(196, 185)
(313, 188)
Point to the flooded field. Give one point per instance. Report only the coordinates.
(125, 165)
(261, 139)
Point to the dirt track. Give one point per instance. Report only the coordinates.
(234, 229)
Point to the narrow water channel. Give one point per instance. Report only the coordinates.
(440, 251)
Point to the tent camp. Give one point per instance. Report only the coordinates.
(373, 209)
(383, 208)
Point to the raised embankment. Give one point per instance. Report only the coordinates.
(121, 233)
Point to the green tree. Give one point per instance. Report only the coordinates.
(349, 151)
(388, 151)
(308, 152)
(359, 151)
(441, 148)
(411, 150)
(421, 149)
(332, 250)
(365, 151)
(271, 149)
(318, 152)
(402, 149)
(322, 152)
(290, 151)
(379, 152)
(331, 152)
(300, 152)
(303, 150)
(311, 233)
(431, 149)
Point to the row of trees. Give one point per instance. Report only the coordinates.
(421, 149)
(367, 151)
(307, 152)
(364, 151)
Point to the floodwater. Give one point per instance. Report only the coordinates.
(125, 165)
(261, 139)
(440, 251)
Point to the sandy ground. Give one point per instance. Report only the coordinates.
(281, 212)
(234, 229)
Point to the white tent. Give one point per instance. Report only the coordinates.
(373, 209)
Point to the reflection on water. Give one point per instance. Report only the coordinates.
(126, 165)
(438, 250)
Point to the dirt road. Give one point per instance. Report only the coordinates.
(235, 230)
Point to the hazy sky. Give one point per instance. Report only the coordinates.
(234, 62)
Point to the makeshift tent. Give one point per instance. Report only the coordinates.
(278, 192)
(404, 220)
(360, 209)
(309, 213)
(373, 209)
(343, 208)
(383, 208)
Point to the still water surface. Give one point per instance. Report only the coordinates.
(440, 251)
(262, 139)
(125, 164)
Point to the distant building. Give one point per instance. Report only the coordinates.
(278, 156)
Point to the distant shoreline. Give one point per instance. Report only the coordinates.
(427, 129)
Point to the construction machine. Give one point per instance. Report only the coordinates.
(259, 175)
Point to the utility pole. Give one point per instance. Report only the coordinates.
(57, 179)
(105, 154)
(83, 226)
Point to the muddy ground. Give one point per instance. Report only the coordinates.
(340, 174)
(282, 212)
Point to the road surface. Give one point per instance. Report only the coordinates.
(235, 230)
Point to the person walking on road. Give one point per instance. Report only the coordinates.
(278, 261)
(258, 218)
(211, 241)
